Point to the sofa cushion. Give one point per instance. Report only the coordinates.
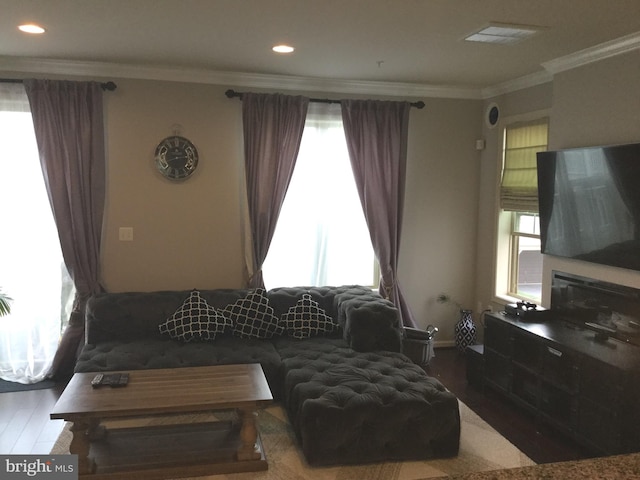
(167, 353)
(253, 317)
(195, 320)
(283, 298)
(136, 315)
(306, 319)
(367, 321)
(370, 322)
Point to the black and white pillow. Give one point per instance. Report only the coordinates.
(253, 317)
(195, 320)
(306, 319)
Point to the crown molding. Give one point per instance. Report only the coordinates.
(23, 66)
(234, 79)
(532, 80)
(583, 57)
(603, 51)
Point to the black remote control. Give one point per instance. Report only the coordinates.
(122, 380)
(97, 380)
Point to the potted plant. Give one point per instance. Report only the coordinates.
(465, 329)
(446, 298)
(5, 306)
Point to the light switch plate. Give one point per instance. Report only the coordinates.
(126, 234)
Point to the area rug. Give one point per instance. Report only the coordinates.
(481, 449)
(6, 386)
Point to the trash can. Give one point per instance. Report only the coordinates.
(475, 365)
(418, 344)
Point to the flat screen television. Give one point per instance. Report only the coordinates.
(590, 204)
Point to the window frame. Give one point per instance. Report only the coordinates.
(514, 260)
(505, 277)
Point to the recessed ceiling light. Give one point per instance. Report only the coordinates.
(31, 28)
(503, 33)
(283, 49)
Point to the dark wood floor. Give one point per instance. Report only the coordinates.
(25, 427)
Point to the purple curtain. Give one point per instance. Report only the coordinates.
(68, 122)
(377, 133)
(273, 126)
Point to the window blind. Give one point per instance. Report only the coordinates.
(519, 186)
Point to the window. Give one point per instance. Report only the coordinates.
(32, 271)
(321, 237)
(519, 257)
(525, 279)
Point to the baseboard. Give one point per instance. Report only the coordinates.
(444, 344)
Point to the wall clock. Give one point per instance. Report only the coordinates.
(176, 157)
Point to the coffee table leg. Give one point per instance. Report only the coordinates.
(249, 450)
(80, 446)
(96, 431)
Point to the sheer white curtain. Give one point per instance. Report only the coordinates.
(32, 270)
(321, 237)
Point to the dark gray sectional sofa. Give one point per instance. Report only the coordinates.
(350, 394)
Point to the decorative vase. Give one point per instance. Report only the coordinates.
(465, 331)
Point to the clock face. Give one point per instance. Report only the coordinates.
(176, 158)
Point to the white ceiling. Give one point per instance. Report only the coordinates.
(407, 43)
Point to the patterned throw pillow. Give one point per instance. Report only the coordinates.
(195, 319)
(253, 316)
(306, 319)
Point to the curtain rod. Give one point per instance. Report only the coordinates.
(110, 86)
(232, 94)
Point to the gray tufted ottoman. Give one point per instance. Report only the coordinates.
(348, 408)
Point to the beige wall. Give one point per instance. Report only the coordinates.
(186, 234)
(598, 104)
(595, 104)
(189, 235)
(513, 106)
(439, 236)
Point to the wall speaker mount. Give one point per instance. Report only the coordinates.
(492, 115)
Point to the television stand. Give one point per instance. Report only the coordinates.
(586, 388)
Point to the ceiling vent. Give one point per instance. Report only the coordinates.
(503, 33)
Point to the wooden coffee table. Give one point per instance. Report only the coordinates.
(167, 451)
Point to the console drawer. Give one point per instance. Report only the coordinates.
(497, 369)
(600, 383)
(497, 336)
(560, 367)
(600, 426)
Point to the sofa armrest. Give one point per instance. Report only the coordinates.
(370, 322)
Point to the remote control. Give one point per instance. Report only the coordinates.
(97, 380)
(122, 380)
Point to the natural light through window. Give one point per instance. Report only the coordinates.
(32, 271)
(519, 261)
(321, 237)
(527, 261)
